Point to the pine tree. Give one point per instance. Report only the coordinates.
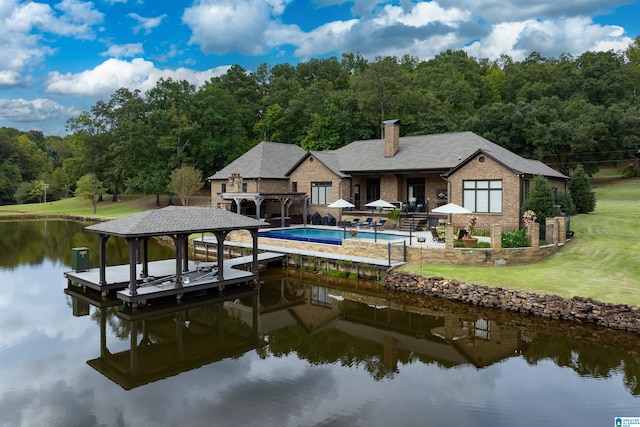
(541, 200)
(580, 190)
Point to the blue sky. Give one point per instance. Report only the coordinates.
(60, 57)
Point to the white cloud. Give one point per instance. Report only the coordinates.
(22, 110)
(146, 24)
(230, 25)
(550, 37)
(113, 74)
(25, 29)
(127, 50)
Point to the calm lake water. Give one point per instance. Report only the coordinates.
(305, 350)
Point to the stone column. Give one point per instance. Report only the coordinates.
(448, 236)
(551, 231)
(534, 235)
(496, 237)
(562, 230)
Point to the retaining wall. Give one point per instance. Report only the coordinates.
(577, 309)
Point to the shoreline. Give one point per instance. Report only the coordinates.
(584, 310)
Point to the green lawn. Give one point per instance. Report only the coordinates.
(602, 261)
(81, 208)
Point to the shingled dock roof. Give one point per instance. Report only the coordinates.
(175, 220)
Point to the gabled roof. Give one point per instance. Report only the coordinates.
(331, 160)
(267, 160)
(436, 153)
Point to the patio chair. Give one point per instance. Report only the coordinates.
(353, 223)
(366, 223)
(378, 224)
(462, 233)
(436, 237)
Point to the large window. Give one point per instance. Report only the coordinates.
(483, 196)
(321, 193)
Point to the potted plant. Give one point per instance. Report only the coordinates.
(469, 240)
(394, 216)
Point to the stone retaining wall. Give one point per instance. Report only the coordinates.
(577, 309)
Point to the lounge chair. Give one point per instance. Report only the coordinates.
(366, 223)
(436, 237)
(352, 223)
(378, 224)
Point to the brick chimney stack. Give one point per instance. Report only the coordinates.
(391, 137)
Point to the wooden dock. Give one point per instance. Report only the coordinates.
(161, 277)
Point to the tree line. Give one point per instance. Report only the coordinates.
(564, 111)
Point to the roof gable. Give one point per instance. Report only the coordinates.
(267, 160)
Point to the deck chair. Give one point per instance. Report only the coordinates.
(366, 223)
(353, 223)
(378, 224)
(436, 237)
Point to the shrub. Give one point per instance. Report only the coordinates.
(515, 239)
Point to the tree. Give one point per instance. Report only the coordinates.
(580, 191)
(185, 182)
(89, 188)
(541, 200)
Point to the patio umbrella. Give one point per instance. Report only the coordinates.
(451, 208)
(341, 203)
(380, 204)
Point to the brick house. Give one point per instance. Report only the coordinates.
(422, 172)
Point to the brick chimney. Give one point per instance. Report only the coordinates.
(391, 137)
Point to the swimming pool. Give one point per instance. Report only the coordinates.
(325, 235)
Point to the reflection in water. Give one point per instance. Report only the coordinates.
(168, 338)
(335, 324)
(320, 351)
(31, 242)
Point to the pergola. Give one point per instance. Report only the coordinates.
(285, 199)
(176, 222)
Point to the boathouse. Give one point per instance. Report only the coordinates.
(141, 280)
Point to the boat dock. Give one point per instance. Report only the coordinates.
(161, 277)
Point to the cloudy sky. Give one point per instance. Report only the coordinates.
(59, 57)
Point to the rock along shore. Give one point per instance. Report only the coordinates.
(577, 309)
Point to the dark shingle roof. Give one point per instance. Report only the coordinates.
(439, 152)
(265, 160)
(331, 160)
(176, 220)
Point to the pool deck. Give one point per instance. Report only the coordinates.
(381, 263)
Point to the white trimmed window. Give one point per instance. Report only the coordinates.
(483, 196)
(321, 193)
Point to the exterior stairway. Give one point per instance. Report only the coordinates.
(418, 219)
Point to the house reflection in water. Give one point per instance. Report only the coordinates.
(323, 324)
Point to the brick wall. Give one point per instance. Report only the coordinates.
(313, 170)
(489, 169)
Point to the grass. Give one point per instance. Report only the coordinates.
(73, 206)
(602, 261)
